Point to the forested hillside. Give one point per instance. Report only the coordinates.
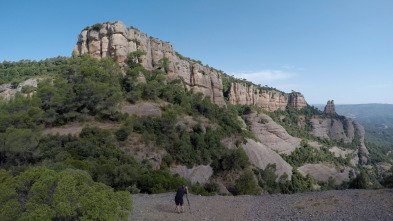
(91, 132)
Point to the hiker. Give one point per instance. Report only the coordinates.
(179, 198)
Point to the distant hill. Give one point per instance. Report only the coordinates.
(377, 119)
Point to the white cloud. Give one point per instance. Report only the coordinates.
(264, 76)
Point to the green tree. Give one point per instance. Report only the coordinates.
(247, 184)
(43, 194)
(164, 63)
(360, 182)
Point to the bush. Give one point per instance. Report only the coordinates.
(28, 89)
(360, 182)
(234, 159)
(43, 194)
(388, 181)
(212, 187)
(247, 184)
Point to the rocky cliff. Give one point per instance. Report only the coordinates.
(270, 100)
(117, 41)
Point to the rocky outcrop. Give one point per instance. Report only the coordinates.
(271, 134)
(198, 174)
(341, 129)
(297, 101)
(260, 156)
(251, 95)
(330, 108)
(117, 41)
(7, 90)
(322, 172)
(334, 129)
(270, 100)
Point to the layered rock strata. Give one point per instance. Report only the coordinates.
(270, 100)
(117, 41)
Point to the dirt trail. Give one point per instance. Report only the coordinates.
(328, 205)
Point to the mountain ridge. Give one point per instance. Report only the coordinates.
(114, 39)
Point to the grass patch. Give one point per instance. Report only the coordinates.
(299, 207)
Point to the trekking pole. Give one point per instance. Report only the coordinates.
(188, 203)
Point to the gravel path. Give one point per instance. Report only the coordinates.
(327, 205)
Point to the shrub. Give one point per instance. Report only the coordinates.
(247, 184)
(388, 181)
(234, 159)
(43, 194)
(360, 182)
(28, 89)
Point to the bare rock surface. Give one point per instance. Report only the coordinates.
(270, 100)
(260, 156)
(198, 174)
(340, 152)
(322, 172)
(7, 91)
(314, 144)
(328, 205)
(76, 128)
(271, 134)
(344, 130)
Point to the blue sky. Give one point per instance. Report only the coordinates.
(325, 49)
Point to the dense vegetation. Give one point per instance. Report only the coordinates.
(64, 176)
(15, 72)
(44, 194)
(86, 89)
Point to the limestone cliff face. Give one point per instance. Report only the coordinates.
(117, 41)
(270, 100)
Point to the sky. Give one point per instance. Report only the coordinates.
(339, 50)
